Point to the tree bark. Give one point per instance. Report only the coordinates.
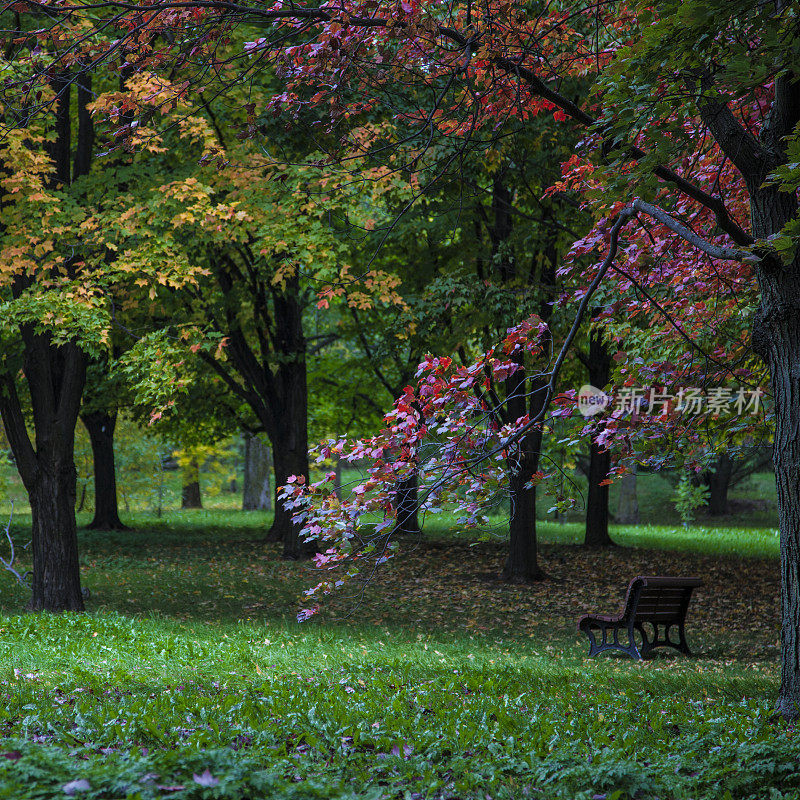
(628, 503)
(405, 500)
(289, 461)
(596, 534)
(287, 425)
(101, 425)
(776, 338)
(522, 562)
(524, 395)
(776, 333)
(190, 491)
(719, 481)
(56, 573)
(55, 377)
(257, 494)
(784, 347)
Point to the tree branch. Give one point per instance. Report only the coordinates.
(721, 253)
(16, 431)
(746, 153)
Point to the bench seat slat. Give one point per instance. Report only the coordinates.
(654, 609)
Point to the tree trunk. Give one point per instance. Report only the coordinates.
(55, 377)
(628, 503)
(407, 505)
(524, 396)
(82, 501)
(596, 534)
(522, 562)
(100, 425)
(287, 420)
(719, 482)
(257, 494)
(276, 384)
(284, 528)
(56, 574)
(776, 338)
(190, 491)
(785, 356)
(527, 396)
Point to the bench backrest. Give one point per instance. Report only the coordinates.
(659, 599)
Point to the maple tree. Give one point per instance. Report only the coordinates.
(222, 210)
(59, 277)
(686, 94)
(47, 326)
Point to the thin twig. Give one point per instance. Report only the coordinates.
(9, 565)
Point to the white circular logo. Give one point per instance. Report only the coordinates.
(591, 400)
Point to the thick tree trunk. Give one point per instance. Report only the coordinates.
(257, 495)
(406, 504)
(628, 502)
(596, 534)
(527, 397)
(100, 425)
(190, 490)
(55, 377)
(719, 481)
(522, 562)
(777, 331)
(56, 574)
(776, 337)
(786, 392)
(287, 420)
(284, 528)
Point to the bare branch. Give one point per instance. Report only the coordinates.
(721, 253)
(23, 579)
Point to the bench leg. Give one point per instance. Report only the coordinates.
(657, 640)
(596, 648)
(682, 646)
(647, 643)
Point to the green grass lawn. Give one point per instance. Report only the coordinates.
(188, 676)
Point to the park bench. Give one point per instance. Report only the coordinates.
(650, 600)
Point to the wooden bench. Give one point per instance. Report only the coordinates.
(650, 600)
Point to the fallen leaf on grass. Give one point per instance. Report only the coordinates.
(407, 750)
(73, 787)
(206, 779)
